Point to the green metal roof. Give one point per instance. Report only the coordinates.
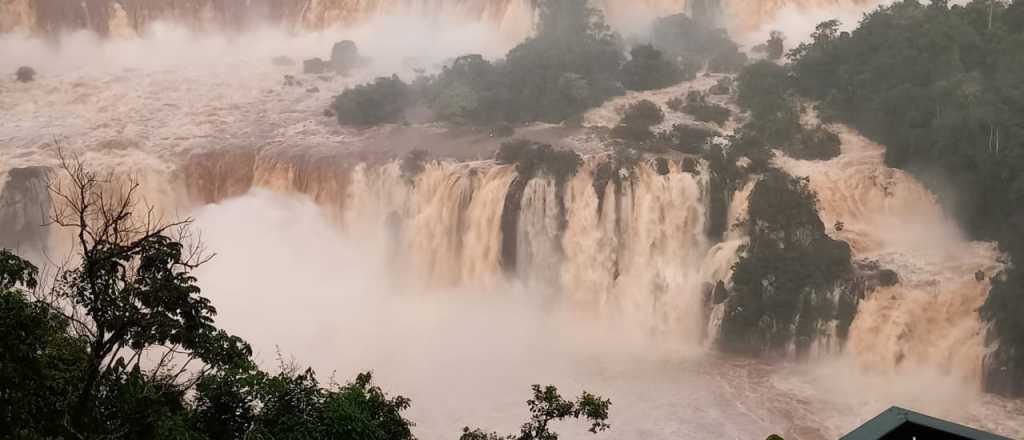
(896, 417)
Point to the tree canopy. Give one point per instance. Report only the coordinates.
(939, 85)
(71, 351)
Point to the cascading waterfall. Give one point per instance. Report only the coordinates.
(634, 249)
(929, 320)
(130, 17)
(639, 256)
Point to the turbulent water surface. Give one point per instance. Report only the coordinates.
(328, 253)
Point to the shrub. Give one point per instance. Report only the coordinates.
(637, 121)
(818, 143)
(532, 158)
(467, 91)
(703, 111)
(636, 133)
(647, 69)
(25, 74)
(687, 138)
(722, 87)
(644, 113)
(382, 101)
(728, 60)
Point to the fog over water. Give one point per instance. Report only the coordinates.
(309, 268)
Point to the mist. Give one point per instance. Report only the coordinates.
(301, 289)
(307, 270)
(394, 43)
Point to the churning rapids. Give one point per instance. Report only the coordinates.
(327, 253)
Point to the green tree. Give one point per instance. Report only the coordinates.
(647, 69)
(702, 110)
(938, 85)
(572, 39)
(637, 121)
(765, 88)
(382, 101)
(784, 282)
(132, 291)
(40, 361)
(548, 406)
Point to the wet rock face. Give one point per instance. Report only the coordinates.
(24, 209)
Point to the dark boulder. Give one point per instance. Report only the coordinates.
(25, 74)
(344, 56)
(314, 66)
(888, 277)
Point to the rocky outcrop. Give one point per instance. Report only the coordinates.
(24, 210)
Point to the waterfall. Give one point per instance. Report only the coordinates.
(131, 17)
(929, 320)
(626, 244)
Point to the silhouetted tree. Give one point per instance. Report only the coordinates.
(548, 406)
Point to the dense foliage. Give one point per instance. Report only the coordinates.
(572, 63)
(648, 69)
(702, 110)
(941, 87)
(767, 90)
(382, 101)
(531, 159)
(124, 345)
(568, 66)
(469, 91)
(784, 282)
(548, 406)
(685, 138)
(637, 121)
